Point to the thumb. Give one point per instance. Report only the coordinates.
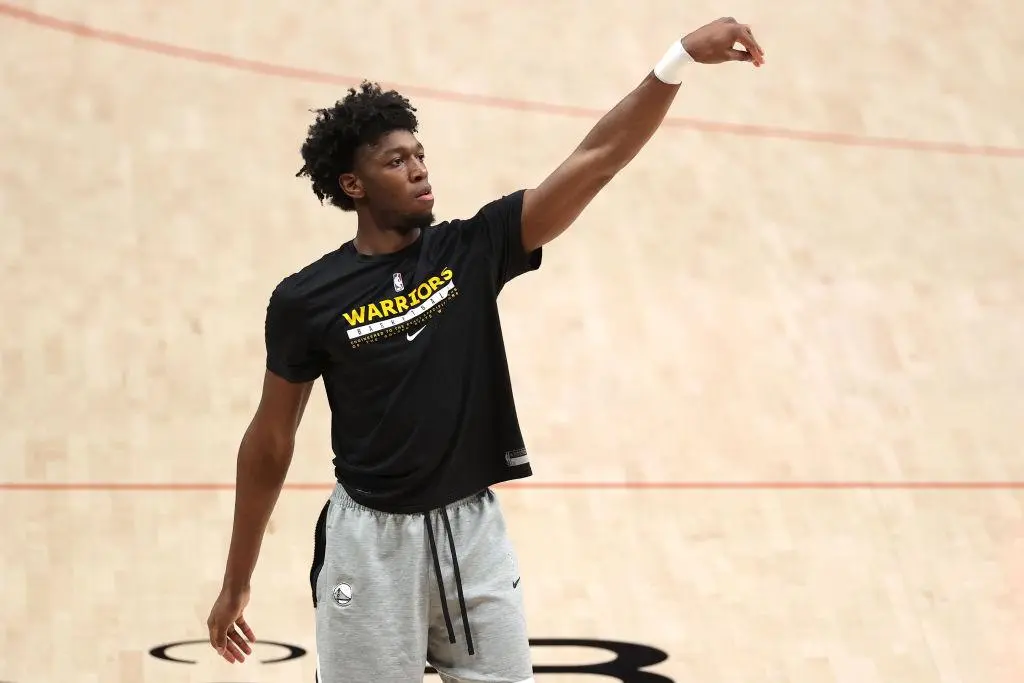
(739, 55)
(218, 635)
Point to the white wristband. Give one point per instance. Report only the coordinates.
(669, 68)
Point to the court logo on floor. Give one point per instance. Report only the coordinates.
(188, 651)
(628, 662)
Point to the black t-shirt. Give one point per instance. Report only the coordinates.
(410, 349)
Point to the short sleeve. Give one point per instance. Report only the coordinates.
(499, 226)
(291, 351)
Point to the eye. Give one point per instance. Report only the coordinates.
(395, 162)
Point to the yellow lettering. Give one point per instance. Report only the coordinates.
(356, 316)
(401, 303)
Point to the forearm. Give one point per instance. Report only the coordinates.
(609, 146)
(260, 475)
(621, 133)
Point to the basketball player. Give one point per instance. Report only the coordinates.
(411, 560)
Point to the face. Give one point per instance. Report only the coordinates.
(391, 177)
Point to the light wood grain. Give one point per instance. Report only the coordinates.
(739, 305)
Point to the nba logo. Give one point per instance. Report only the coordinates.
(399, 286)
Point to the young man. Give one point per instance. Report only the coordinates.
(412, 561)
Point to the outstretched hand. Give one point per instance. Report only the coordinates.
(716, 42)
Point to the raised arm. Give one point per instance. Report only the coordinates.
(619, 136)
(264, 456)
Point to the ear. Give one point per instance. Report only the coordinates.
(352, 185)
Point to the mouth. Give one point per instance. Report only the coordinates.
(425, 195)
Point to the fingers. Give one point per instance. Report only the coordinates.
(230, 642)
(231, 645)
(237, 647)
(745, 37)
(739, 55)
(246, 630)
(219, 639)
(237, 638)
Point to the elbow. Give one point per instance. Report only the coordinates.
(266, 451)
(602, 163)
(605, 158)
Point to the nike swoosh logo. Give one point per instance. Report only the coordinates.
(415, 334)
(516, 582)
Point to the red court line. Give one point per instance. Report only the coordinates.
(297, 73)
(552, 486)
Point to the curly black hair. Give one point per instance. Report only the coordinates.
(361, 118)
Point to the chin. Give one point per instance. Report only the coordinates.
(415, 221)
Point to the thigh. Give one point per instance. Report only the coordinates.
(370, 596)
(493, 589)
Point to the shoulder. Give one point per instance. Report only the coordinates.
(493, 217)
(294, 291)
(499, 209)
(312, 276)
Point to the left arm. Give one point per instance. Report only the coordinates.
(551, 207)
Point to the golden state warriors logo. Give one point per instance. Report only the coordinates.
(375, 321)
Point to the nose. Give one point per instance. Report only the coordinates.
(417, 170)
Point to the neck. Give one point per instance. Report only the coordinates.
(373, 238)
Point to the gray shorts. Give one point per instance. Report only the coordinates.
(394, 592)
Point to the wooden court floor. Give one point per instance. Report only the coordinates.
(772, 381)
